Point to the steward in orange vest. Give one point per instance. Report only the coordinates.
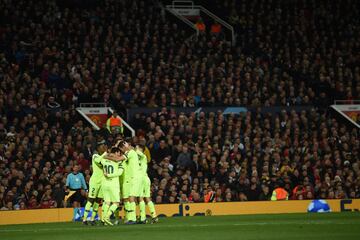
(114, 124)
(200, 25)
(279, 194)
(215, 28)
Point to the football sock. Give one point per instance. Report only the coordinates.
(105, 209)
(132, 211)
(142, 211)
(111, 210)
(87, 210)
(95, 211)
(126, 211)
(152, 209)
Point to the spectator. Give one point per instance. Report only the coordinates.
(47, 201)
(33, 202)
(265, 194)
(228, 197)
(183, 199)
(7, 207)
(209, 195)
(53, 106)
(215, 29)
(143, 59)
(160, 152)
(184, 158)
(279, 194)
(200, 25)
(114, 124)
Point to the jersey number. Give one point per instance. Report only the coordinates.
(109, 169)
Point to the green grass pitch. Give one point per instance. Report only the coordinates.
(326, 226)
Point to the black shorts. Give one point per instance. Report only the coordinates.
(76, 197)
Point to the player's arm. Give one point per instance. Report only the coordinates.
(96, 158)
(113, 157)
(142, 155)
(132, 154)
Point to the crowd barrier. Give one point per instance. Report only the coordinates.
(179, 210)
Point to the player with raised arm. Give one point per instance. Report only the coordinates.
(132, 180)
(145, 188)
(95, 192)
(117, 157)
(111, 186)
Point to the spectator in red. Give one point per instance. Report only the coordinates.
(298, 193)
(200, 25)
(216, 28)
(83, 163)
(33, 203)
(47, 201)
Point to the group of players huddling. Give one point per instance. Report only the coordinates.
(119, 176)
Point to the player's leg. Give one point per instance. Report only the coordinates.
(104, 210)
(132, 210)
(149, 203)
(99, 198)
(117, 215)
(112, 209)
(126, 209)
(125, 195)
(151, 206)
(134, 194)
(117, 212)
(115, 199)
(88, 206)
(95, 210)
(142, 208)
(106, 202)
(94, 190)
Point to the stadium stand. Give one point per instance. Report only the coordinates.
(241, 157)
(57, 54)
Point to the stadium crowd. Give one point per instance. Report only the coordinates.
(243, 157)
(131, 54)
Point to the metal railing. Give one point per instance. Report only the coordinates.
(101, 105)
(185, 20)
(222, 22)
(96, 127)
(190, 5)
(125, 123)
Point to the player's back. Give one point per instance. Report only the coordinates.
(113, 171)
(111, 183)
(133, 169)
